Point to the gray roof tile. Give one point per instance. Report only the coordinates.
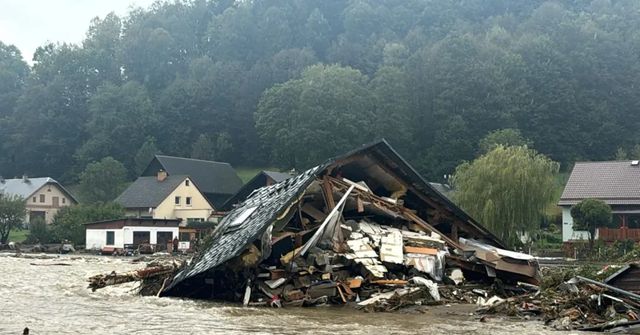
(230, 238)
(211, 177)
(25, 188)
(148, 191)
(614, 182)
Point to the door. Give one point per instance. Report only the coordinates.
(56, 202)
(140, 237)
(35, 216)
(164, 238)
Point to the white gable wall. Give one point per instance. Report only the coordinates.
(568, 234)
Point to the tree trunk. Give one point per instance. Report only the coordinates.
(4, 236)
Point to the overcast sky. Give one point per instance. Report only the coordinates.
(29, 24)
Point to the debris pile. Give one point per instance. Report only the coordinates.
(577, 304)
(153, 277)
(363, 229)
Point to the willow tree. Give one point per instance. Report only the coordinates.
(507, 190)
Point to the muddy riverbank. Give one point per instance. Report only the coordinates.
(50, 296)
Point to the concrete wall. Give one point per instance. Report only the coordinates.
(97, 238)
(49, 191)
(568, 234)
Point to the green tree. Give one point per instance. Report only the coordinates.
(203, 148)
(122, 119)
(13, 73)
(145, 154)
(589, 215)
(102, 181)
(12, 214)
(68, 224)
(507, 190)
(506, 137)
(621, 155)
(39, 232)
(306, 120)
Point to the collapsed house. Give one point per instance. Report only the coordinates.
(363, 226)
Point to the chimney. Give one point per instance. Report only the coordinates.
(162, 175)
(25, 178)
(1, 180)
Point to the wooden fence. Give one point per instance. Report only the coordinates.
(618, 234)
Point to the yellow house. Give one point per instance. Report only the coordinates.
(44, 196)
(165, 197)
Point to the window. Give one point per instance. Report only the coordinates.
(34, 199)
(188, 201)
(177, 200)
(41, 197)
(186, 182)
(64, 200)
(111, 236)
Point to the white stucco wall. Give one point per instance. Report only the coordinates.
(568, 234)
(97, 238)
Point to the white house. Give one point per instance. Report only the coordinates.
(131, 232)
(617, 183)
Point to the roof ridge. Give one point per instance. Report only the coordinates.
(194, 159)
(609, 161)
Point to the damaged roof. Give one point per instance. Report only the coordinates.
(247, 222)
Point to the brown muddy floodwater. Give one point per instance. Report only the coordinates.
(50, 298)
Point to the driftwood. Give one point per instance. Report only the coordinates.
(113, 278)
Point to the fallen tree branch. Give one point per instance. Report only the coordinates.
(113, 278)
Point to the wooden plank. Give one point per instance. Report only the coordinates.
(327, 190)
(313, 212)
(419, 250)
(413, 217)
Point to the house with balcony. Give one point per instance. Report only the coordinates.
(44, 196)
(617, 183)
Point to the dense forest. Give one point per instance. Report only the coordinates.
(291, 83)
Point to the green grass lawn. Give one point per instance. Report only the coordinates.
(246, 173)
(18, 235)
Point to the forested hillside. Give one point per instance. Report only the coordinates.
(290, 83)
